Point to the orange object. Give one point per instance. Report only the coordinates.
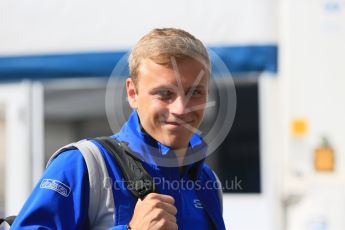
(299, 127)
(324, 157)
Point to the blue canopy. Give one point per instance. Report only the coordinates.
(238, 59)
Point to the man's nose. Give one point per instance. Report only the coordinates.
(178, 106)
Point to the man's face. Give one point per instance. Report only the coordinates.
(170, 101)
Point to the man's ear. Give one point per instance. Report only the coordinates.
(131, 93)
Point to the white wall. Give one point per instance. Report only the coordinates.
(312, 74)
(23, 160)
(2, 160)
(317, 48)
(312, 70)
(17, 172)
(43, 26)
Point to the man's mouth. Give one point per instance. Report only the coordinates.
(177, 125)
(180, 123)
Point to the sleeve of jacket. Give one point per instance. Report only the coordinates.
(60, 200)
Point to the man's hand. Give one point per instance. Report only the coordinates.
(155, 212)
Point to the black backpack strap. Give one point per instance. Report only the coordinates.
(139, 181)
(7, 222)
(10, 219)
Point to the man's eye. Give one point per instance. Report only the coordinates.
(164, 93)
(196, 92)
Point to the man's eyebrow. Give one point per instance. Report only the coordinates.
(172, 86)
(197, 87)
(165, 86)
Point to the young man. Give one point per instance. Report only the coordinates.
(168, 89)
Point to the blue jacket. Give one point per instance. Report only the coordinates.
(66, 206)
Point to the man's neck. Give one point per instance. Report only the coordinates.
(180, 155)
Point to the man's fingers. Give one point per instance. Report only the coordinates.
(171, 218)
(169, 208)
(166, 225)
(157, 210)
(161, 197)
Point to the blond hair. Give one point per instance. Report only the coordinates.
(160, 45)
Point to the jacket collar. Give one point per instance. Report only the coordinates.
(152, 151)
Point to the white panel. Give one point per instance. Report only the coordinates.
(246, 212)
(2, 159)
(17, 170)
(36, 129)
(322, 208)
(312, 70)
(41, 26)
(20, 143)
(316, 71)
